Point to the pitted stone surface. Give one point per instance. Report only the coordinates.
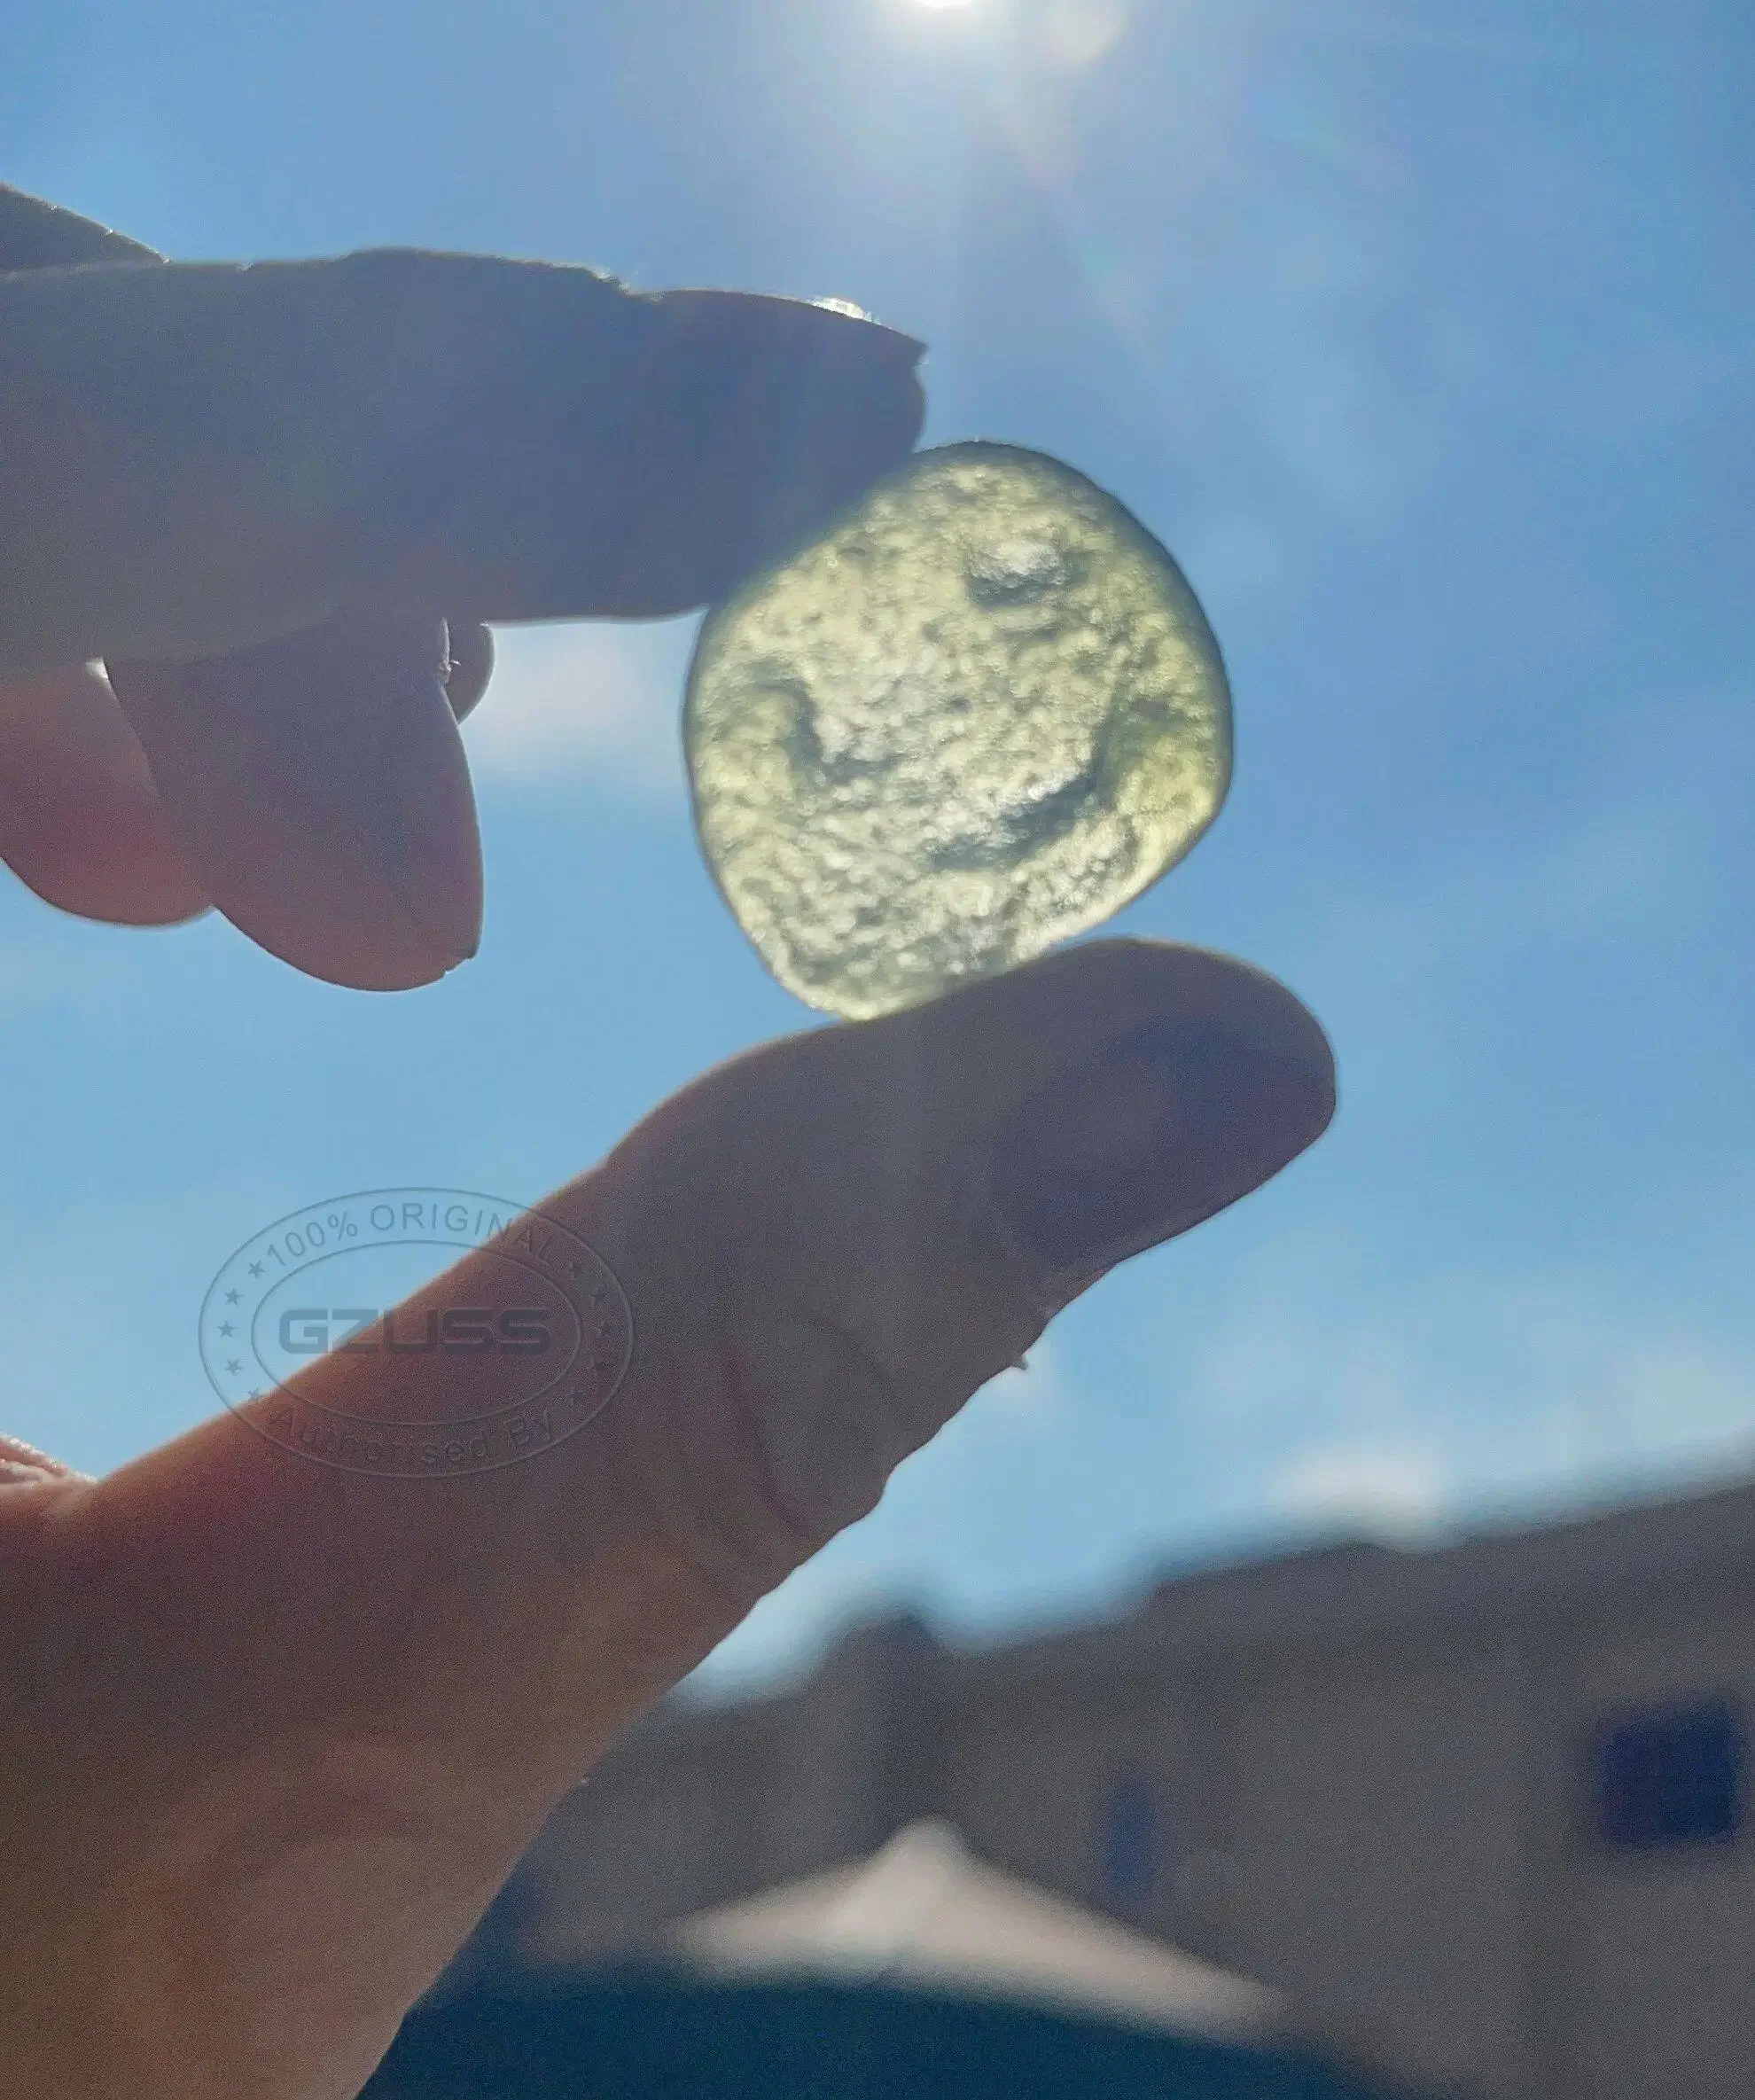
(977, 717)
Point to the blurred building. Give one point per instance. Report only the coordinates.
(1478, 1809)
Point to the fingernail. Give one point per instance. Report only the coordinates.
(433, 850)
(1164, 1128)
(469, 664)
(893, 344)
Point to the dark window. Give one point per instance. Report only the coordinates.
(1127, 1843)
(1673, 1776)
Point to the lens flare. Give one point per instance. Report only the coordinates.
(1078, 33)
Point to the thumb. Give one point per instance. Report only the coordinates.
(827, 1245)
(319, 1713)
(831, 1244)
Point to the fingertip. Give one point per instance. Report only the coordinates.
(431, 841)
(321, 792)
(640, 457)
(1209, 1078)
(809, 404)
(81, 822)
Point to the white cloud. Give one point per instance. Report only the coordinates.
(1407, 1402)
(56, 960)
(1359, 1488)
(1321, 1396)
(594, 704)
(1678, 1387)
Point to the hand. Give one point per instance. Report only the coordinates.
(275, 1732)
(279, 503)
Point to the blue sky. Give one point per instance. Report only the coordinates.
(1421, 330)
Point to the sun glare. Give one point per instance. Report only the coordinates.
(941, 3)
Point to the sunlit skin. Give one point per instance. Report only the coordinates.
(274, 1733)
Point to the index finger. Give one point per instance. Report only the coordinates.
(199, 458)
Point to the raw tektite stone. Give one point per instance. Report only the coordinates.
(978, 715)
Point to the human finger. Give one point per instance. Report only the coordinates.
(37, 235)
(201, 458)
(319, 1713)
(80, 818)
(318, 788)
(739, 423)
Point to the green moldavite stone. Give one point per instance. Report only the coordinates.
(978, 715)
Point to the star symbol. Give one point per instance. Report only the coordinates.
(233, 1364)
(256, 1268)
(255, 1393)
(231, 1298)
(225, 1327)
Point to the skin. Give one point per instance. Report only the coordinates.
(274, 1732)
(279, 503)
